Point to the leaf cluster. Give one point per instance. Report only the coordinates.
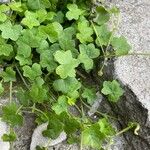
(53, 46)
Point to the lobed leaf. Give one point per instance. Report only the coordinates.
(68, 86)
(103, 15)
(5, 49)
(11, 116)
(103, 35)
(113, 90)
(51, 31)
(90, 95)
(47, 61)
(67, 64)
(30, 20)
(74, 12)
(61, 105)
(120, 45)
(9, 75)
(38, 4)
(10, 31)
(54, 128)
(87, 53)
(16, 6)
(85, 31)
(11, 137)
(32, 72)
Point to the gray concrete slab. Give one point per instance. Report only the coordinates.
(134, 71)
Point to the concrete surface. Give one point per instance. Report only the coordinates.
(134, 71)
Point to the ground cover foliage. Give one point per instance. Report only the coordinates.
(51, 46)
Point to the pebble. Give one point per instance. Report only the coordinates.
(38, 139)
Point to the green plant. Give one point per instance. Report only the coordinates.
(53, 46)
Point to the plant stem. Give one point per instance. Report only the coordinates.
(33, 108)
(52, 95)
(10, 101)
(46, 76)
(81, 142)
(115, 27)
(22, 77)
(47, 145)
(78, 109)
(104, 53)
(40, 112)
(19, 109)
(132, 54)
(100, 72)
(124, 130)
(80, 74)
(11, 145)
(10, 93)
(97, 37)
(132, 125)
(102, 114)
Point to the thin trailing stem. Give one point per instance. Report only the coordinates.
(81, 143)
(98, 37)
(38, 110)
(80, 74)
(123, 55)
(129, 54)
(25, 83)
(48, 143)
(124, 130)
(104, 53)
(52, 95)
(19, 109)
(115, 27)
(78, 109)
(33, 108)
(10, 101)
(81, 140)
(100, 72)
(100, 113)
(46, 77)
(10, 93)
(132, 54)
(131, 126)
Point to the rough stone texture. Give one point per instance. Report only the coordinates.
(134, 71)
(3, 130)
(24, 133)
(129, 109)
